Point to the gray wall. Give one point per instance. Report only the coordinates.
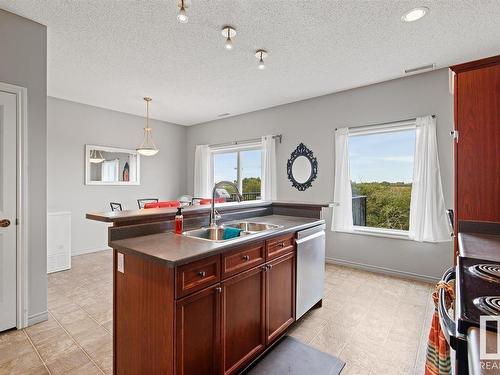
(72, 125)
(23, 62)
(313, 121)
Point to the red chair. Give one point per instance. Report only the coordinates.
(163, 204)
(205, 201)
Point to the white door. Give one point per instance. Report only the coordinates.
(7, 210)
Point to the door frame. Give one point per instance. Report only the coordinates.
(21, 201)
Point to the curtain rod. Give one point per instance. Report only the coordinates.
(383, 123)
(234, 143)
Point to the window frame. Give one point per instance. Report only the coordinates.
(380, 129)
(236, 148)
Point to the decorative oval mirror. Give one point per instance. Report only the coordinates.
(302, 168)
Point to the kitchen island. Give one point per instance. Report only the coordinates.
(185, 305)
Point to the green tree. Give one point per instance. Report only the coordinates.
(387, 203)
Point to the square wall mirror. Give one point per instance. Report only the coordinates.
(111, 166)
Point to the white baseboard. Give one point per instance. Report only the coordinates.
(384, 270)
(88, 251)
(38, 318)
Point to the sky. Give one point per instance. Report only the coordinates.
(382, 157)
(373, 158)
(225, 165)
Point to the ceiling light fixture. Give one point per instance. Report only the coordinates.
(147, 147)
(228, 32)
(182, 16)
(261, 54)
(415, 14)
(96, 156)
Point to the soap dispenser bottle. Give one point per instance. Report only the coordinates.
(179, 221)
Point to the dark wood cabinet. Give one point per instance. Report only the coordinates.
(280, 296)
(198, 333)
(211, 316)
(477, 150)
(243, 318)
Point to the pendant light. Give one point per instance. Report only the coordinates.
(261, 54)
(147, 147)
(96, 157)
(182, 16)
(228, 32)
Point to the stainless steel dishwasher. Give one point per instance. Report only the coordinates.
(310, 268)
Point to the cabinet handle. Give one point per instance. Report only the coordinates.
(270, 266)
(246, 257)
(4, 223)
(218, 289)
(281, 244)
(264, 268)
(202, 274)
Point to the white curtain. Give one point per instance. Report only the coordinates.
(428, 218)
(202, 172)
(110, 170)
(268, 188)
(342, 194)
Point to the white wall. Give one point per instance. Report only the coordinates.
(23, 62)
(313, 122)
(72, 125)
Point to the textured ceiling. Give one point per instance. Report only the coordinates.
(112, 53)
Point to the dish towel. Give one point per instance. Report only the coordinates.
(231, 232)
(438, 360)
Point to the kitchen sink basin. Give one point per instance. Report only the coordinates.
(216, 234)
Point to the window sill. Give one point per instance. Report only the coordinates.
(378, 232)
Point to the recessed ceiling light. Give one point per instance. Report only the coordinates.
(415, 14)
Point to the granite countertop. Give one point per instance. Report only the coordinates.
(480, 246)
(173, 249)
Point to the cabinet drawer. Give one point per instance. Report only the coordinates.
(279, 246)
(196, 275)
(243, 259)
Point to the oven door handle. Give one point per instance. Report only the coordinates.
(447, 323)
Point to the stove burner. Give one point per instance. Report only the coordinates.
(489, 305)
(490, 272)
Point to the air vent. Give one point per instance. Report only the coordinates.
(420, 68)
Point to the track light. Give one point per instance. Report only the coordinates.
(182, 16)
(261, 55)
(228, 32)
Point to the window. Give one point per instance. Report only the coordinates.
(381, 170)
(243, 166)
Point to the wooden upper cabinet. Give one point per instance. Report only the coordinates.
(198, 333)
(477, 152)
(243, 318)
(280, 296)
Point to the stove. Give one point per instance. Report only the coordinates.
(478, 292)
(490, 272)
(488, 305)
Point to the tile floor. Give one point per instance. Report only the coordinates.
(377, 324)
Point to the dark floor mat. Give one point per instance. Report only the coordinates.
(291, 357)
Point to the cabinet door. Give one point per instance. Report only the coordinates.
(198, 333)
(477, 109)
(280, 296)
(243, 318)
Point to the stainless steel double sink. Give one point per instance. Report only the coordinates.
(216, 233)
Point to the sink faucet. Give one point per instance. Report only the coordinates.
(214, 216)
